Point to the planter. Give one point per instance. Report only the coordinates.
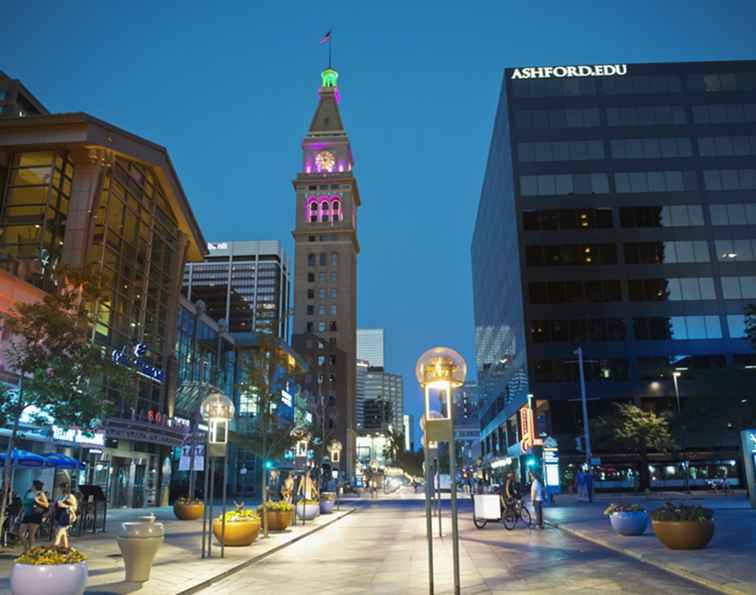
(629, 523)
(327, 502)
(188, 511)
(308, 511)
(53, 579)
(277, 520)
(139, 542)
(684, 535)
(238, 533)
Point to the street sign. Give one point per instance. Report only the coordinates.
(596, 461)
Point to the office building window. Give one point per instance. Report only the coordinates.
(677, 328)
(662, 216)
(738, 288)
(727, 113)
(730, 179)
(334, 259)
(332, 292)
(333, 276)
(323, 259)
(595, 370)
(671, 290)
(310, 277)
(321, 327)
(727, 146)
(577, 331)
(663, 366)
(641, 84)
(556, 219)
(561, 184)
(735, 250)
(321, 293)
(651, 148)
(560, 151)
(649, 115)
(310, 260)
(571, 255)
(574, 292)
(321, 309)
(722, 82)
(558, 118)
(309, 327)
(733, 214)
(736, 326)
(310, 310)
(666, 252)
(321, 276)
(333, 309)
(655, 181)
(554, 87)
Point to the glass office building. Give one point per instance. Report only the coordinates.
(618, 213)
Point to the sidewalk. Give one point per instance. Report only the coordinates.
(178, 567)
(726, 564)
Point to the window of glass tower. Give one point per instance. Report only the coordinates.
(134, 248)
(35, 209)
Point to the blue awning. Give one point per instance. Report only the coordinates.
(24, 459)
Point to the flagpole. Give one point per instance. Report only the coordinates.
(330, 48)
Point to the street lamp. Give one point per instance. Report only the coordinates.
(675, 376)
(438, 370)
(217, 410)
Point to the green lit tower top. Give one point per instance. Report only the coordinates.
(330, 77)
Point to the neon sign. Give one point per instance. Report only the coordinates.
(547, 72)
(137, 360)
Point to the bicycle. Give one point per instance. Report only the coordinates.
(514, 512)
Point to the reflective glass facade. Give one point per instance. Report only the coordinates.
(617, 213)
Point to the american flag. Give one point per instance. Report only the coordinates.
(326, 38)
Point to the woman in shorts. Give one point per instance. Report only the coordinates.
(34, 506)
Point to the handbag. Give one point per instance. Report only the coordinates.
(63, 517)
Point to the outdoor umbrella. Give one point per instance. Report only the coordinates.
(24, 459)
(61, 461)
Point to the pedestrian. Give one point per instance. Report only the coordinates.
(536, 498)
(65, 514)
(34, 504)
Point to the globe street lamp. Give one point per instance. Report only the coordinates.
(217, 410)
(438, 371)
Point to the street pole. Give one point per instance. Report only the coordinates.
(437, 474)
(429, 513)
(586, 431)
(206, 509)
(453, 477)
(675, 376)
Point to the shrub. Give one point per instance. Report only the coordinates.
(682, 512)
(612, 508)
(280, 506)
(50, 554)
(240, 514)
(307, 501)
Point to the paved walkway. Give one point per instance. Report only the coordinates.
(727, 564)
(381, 549)
(178, 566)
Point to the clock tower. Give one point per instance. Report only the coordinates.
(325, 282)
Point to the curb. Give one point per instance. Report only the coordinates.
(239, 567)
(678, 571)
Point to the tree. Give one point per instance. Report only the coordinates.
(266, 370)
(394, 445)
(63, 376)
(635, 429)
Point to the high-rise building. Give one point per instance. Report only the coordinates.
(16, 101)
(362, 370)
(245, 283)
(326, 248)
(467, 421)
(370, 346)
(388, 388)
(409, 432)
(618, 214)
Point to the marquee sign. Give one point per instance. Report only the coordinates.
(136, 359)
(547, 72)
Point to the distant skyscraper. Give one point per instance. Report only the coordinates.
(245, 283)
(386, 387)
(362, 370)
(409, 443)
(370, 346)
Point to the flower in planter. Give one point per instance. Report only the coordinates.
(612, 508)
(681, 513)
(51, 555)
(308, 501)
(240, 514)
(272, 506)
(187, 500)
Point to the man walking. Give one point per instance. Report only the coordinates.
(536, 498)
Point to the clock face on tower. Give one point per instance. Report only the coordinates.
(325, 161)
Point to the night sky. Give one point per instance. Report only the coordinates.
(230, 87)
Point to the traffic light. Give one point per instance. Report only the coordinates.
(269, 464)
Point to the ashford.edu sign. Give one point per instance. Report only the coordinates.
(547, 72)
(136, 359)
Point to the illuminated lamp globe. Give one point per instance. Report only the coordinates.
(217, 406)
(301, 434)
(441, 365)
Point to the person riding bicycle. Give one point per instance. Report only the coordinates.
(512, 491)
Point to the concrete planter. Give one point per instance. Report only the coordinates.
(53, 579)
(327, 502)
(684, 535)
(277, 520)
(139, 543)
(308, 511)
(188, 511)
(629, 523)
(238, 533)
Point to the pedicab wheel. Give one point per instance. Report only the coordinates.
(510, 520)
(479, 523)
(525, 516)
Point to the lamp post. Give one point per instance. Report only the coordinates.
(301, 450)
(675, 375)
(438, 370)
(217, 410)
(586, 430)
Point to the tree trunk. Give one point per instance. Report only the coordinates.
(264, 487)
(643, 474)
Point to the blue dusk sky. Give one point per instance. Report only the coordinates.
(230, 87)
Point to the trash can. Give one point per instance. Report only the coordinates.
(139, 541)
